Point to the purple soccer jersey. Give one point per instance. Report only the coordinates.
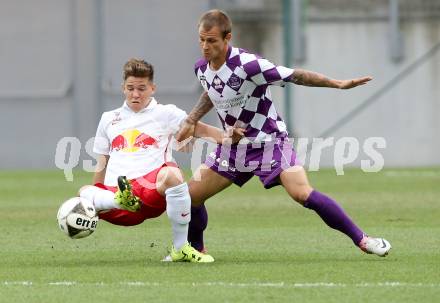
(240, 93)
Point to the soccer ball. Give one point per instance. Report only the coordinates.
(77, 218)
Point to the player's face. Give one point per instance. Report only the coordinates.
(212, 44)
(138, 92)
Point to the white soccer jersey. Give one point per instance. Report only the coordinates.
(240, 92)
(137, 143)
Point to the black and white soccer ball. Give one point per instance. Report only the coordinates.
(77, 218)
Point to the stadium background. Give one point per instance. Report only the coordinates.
(61, 68)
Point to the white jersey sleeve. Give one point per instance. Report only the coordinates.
(101, 144)
(175, 118)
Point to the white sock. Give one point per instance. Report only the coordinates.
(179, 212)
(101, 198)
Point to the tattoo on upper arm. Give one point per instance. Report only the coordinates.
(203, 106)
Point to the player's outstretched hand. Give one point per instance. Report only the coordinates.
(234, 134)
(347, 84)
(185, 136)
(237, 134)
(186, 130)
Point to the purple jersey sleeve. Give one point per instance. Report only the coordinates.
(263, 72)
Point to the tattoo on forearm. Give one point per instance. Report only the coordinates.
(203, 106)
(309, 78)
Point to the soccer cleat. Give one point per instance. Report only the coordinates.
(124, 197)
(188, 254)
(377, 246)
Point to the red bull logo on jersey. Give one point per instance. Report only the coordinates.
(132, 140)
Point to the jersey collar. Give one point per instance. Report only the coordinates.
(153, 103)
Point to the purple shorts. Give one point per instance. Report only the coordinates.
(239, 162)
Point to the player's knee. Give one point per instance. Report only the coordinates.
(169, 177)
(83, 188)
(301, 194)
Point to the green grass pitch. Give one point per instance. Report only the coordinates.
(267, 248)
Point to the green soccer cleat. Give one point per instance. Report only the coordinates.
(124, 197)
(188, 254)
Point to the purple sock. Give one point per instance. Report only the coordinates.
(199, 221)
(333, 215)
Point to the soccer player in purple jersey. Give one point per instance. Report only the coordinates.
(237, 83)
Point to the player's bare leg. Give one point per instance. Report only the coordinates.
(204, 184)
(296, 183)
(294, 180)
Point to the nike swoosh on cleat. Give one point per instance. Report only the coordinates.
(383, 243)
(184, 215)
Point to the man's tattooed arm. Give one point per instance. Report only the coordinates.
(309, 78)
(203, 106)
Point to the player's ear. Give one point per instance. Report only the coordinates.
(228, 37)
(153, 88)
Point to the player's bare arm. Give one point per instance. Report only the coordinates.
(101, 168)
(203, 130)
(203, 106)
(309, 78)
(211, 133)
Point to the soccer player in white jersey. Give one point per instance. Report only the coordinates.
(237, 84)
(134, 146)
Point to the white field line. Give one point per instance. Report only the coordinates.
(227, 284)
(62, 283)
(23, 283)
